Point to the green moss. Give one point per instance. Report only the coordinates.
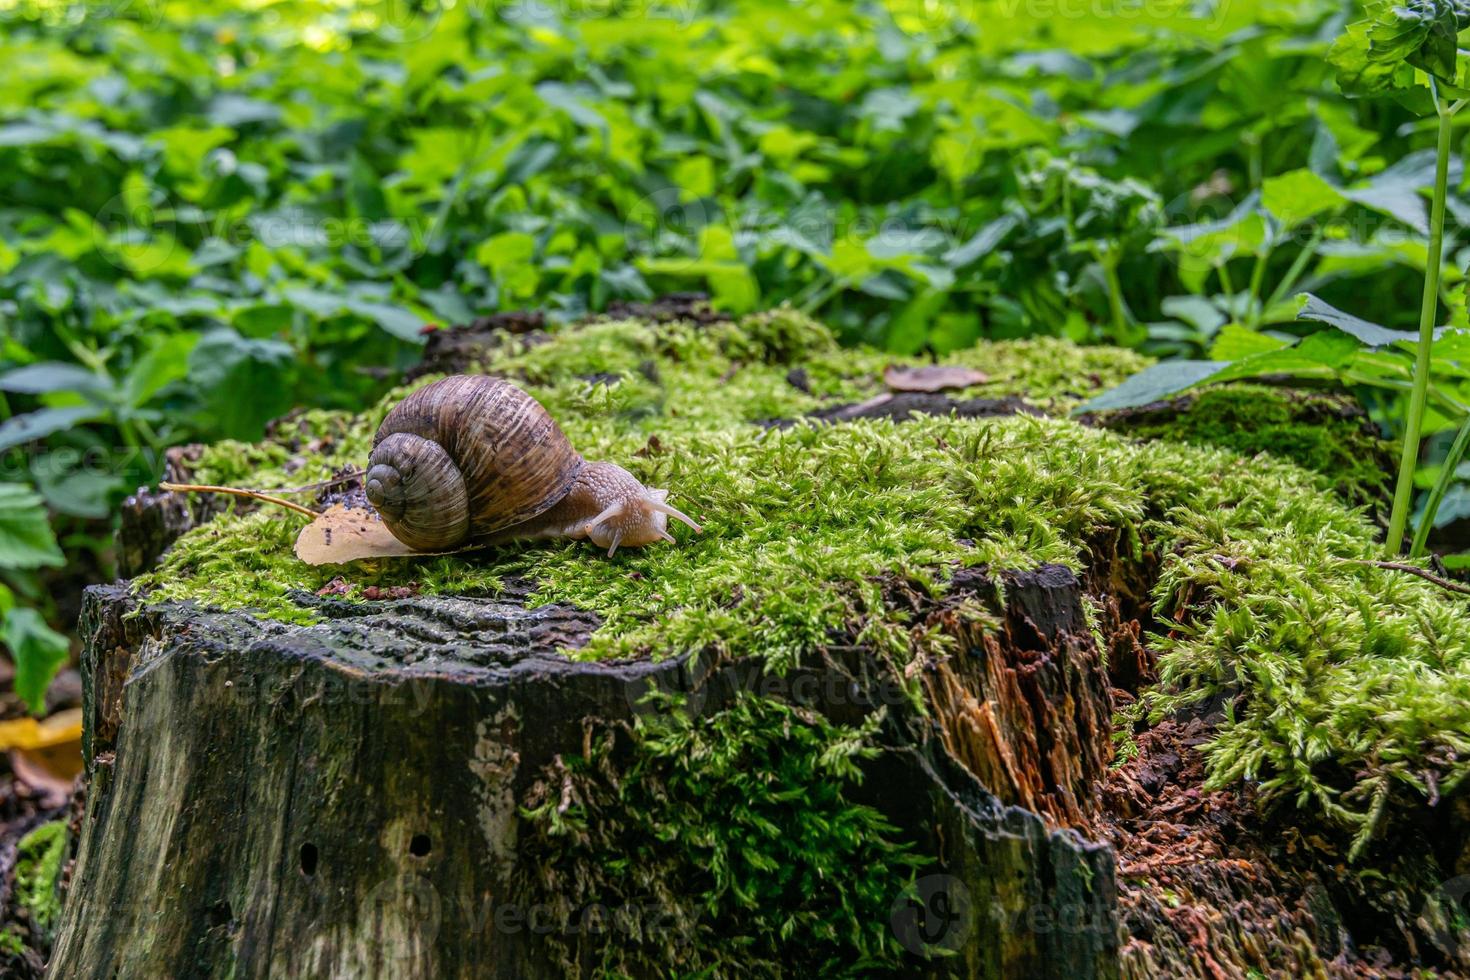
(1318, 432)
(1349, 685)
(39, 858)
(728, 846)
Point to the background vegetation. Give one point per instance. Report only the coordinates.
(211, 212)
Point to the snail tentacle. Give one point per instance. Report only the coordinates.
(673, 512)
(613, 510)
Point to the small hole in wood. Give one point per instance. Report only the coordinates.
(308, 859)
(420, 845)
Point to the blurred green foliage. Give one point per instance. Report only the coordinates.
(211, 212)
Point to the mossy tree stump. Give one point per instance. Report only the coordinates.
(884, 693)
(344, 799)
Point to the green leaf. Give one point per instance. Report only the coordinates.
(49, 376)
(908, 331)
(1376, 55)
(987, 240)
(39, 424)
(954, 331)
(166, 361)
(401, 323)
(80, 492)
(1197, 311)
(500, 252)
(1235, 342)
(1153, 384)
(1328, 349)
(1297, 195)
(38, 651)
(244, 383)
(26, 539)
(1370, 334)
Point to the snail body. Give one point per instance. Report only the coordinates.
(473, 459)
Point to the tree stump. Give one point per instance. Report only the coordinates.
(345, 799)
(426, 782)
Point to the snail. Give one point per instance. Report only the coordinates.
(472, 459)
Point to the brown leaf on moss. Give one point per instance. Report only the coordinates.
(346, 534)
(932, 377)
(337, 586)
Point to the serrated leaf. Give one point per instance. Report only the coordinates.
(38, 652)
(26, 538)
(1371, 334)
(1377, 55)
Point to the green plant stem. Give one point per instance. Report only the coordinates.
(1226, 285)
(1298, 266)
(1109, 263)
(1441, 485)
(817, 300)
(1429, 307)
(1450, 405)
(1258, 276)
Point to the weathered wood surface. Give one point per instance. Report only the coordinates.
(342, 799)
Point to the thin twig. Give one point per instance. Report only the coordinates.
(238, 492)
(344, 478)
(1443, 583)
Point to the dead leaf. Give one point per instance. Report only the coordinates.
(337, 586)
(28, 733)
(46, 755)
(346, 534)
(392, 591)
(47, 780)
(932, 377)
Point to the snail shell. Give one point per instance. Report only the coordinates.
(466, 458)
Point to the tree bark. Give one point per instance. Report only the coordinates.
(342, 799)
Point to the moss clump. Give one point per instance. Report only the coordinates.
(39, 857)
(1322, 433)
(727, 846)
(1348, 685)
